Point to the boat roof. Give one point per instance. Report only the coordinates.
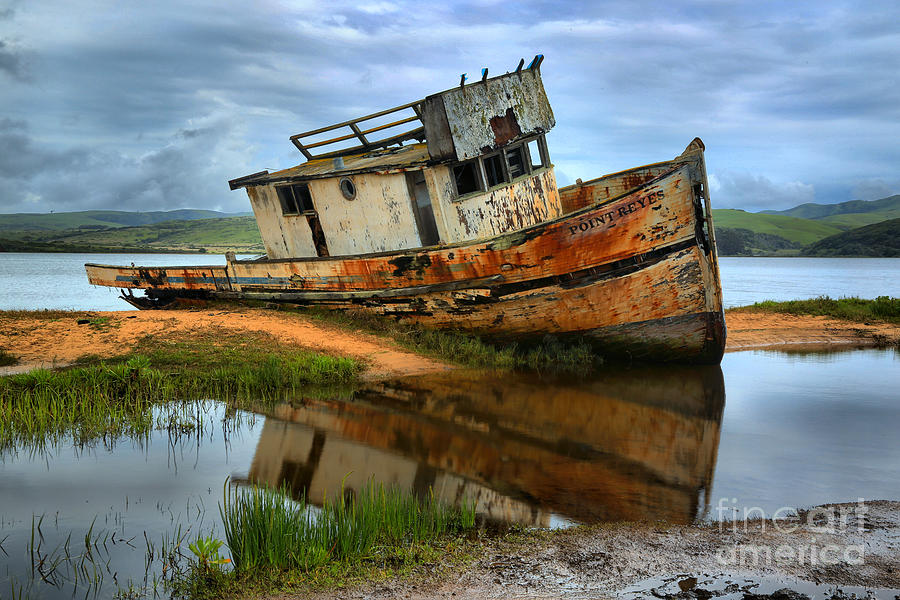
(457, 124)
(380, 160)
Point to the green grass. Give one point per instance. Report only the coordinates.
(794, 229)
(7, 359)
(219, 234)
(469, 350)
(103, 400)
(884, 208)
(59, 221)
(882, 308)
(279, 543)
(855, 220)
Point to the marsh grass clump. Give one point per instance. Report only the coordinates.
(265, 529)
(882, 308)
(7, 359)
(550, 355)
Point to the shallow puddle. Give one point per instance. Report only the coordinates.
(730, 586)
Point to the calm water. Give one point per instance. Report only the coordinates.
(749, 280)
(765, 430)
(34, 280)
(31, 280)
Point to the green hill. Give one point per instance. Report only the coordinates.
(797, 230)
(199, 235)
(886, 208)
(881, 239)
(97, 219)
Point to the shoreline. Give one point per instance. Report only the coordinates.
(857, 548)
(57, 339)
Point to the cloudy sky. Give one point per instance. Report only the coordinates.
(134, 105)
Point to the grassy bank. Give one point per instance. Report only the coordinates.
(882, 308)
(277, 544)
(102, 399)
(468, 350)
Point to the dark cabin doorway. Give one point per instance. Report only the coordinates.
(422, 209)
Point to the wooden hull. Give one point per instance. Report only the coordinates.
(636, 274)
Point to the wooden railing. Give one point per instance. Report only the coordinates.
(356, 131)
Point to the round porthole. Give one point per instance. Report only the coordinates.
(348, 189)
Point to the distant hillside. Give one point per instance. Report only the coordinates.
(99, 219)
(743, 242)
(199, 235)
(881, 239)
(795, 230)
(885, 208)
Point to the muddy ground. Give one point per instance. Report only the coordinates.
(43, 342)
(47, 342)
(658, 560)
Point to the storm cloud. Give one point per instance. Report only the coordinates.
(156, 105)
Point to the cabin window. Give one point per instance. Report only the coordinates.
(496, 169)
(493, 170)
(348, 189)
(467, 178)
(535, 156)
(515, 161)
(295, 199)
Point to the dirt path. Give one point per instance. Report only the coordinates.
(750, 330)
(55, 342)
(59, 341)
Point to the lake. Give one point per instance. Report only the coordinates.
(58, 281)
(767, 430)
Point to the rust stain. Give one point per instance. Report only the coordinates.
(505, 128)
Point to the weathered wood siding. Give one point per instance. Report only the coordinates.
(282, 236)
(483, 116)
(580, 195)
(525, 202)
(379, 219)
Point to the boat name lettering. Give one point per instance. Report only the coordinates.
(609, 217)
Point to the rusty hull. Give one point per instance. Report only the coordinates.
(636, 275)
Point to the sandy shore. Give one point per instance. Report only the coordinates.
(751, 330)
(42, 342)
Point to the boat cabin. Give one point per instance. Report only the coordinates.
(463, 164)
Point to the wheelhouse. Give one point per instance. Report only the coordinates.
(463, 164)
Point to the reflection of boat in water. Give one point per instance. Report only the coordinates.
(626, 446)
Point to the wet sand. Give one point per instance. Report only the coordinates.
(607, 561)
(42, 342)
(752, 330)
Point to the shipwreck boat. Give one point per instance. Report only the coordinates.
(445, 212)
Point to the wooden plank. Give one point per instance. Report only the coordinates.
(356, 120)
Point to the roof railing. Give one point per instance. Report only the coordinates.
(356, 131)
